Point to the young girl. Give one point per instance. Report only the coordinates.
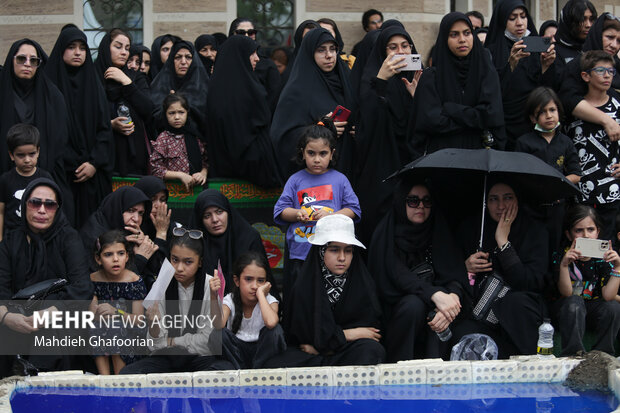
(547, 143)
(253, 333)
(178, 347)
(588, 287)
(117, 291)
(178, 153)
(312, 193)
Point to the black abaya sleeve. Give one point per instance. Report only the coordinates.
(74, 257)
(269, 77)
(524, 265)
(139, 97)
(573, 88)
(5, 273)
(432, 117)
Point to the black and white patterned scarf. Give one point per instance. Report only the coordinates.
(333, 283)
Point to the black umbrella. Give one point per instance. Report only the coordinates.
(467, 169)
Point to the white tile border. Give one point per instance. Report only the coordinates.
(363, 382)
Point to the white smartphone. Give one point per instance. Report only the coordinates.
(414, 62)
(594, 248)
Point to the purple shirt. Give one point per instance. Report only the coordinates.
(304, 190)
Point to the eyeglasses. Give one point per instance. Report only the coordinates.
(250, 32)
(49, 204)
(600, 70)
(414, 201)
(327, 50)
(375, 21)
(21, 59)
(193, 233)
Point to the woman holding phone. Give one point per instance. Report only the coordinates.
(520, 71)
(386, 98)
(318, 83)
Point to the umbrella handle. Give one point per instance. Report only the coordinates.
(484, 205)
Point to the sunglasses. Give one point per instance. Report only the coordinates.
(414, 201)
(48, 204)
(193, 233)
(250, 32)
(22, 59)
(600, 70)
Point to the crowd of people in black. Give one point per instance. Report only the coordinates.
(329, 128)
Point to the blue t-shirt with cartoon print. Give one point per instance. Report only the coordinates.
(303, 190)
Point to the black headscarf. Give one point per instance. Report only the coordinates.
(309, 316)
(144, 49)
(109, 215)
(136, 50)
(529, 242)
(172, 303)
(37, 102)
(193, 86)
(457, 98)
(399, 245)
(202, 41)
(90, 133)
(156, 63)
(297, 39)
(103, 62)
(546, 24)
(309, 94)
(527, 76)
(239, 237)
(364, 49)
(498, 44)
(240, 117)
(151, 185)
(53, 253)
(570, 18)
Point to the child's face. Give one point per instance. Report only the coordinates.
(113, 258)
(586, 228)
(338, 257)
(25, 158)
(317, 155)
(547, 116)
(186, 263)
(176, 115)
(249, 281)
(599, 81)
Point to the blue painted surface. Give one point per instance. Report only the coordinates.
(522, 397)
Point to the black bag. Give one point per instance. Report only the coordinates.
(27, 298)
(491, 289)
(424, 271)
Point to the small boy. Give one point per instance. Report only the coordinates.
(22, 141)
(547, 143)
(598, 155)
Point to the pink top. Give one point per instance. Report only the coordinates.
(170, 154)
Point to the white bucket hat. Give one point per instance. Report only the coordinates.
(334, 228)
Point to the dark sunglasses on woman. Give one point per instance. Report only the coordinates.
(193, 233)
(49, 204)
(414, 201)
(250, 32)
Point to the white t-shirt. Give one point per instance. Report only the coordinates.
(250, 327)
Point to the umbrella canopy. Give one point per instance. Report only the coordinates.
(465, 169)
(463, 173)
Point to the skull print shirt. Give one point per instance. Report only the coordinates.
(597, 154)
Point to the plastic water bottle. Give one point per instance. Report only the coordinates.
(545, 339)
(123, 111)
(443, 335)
